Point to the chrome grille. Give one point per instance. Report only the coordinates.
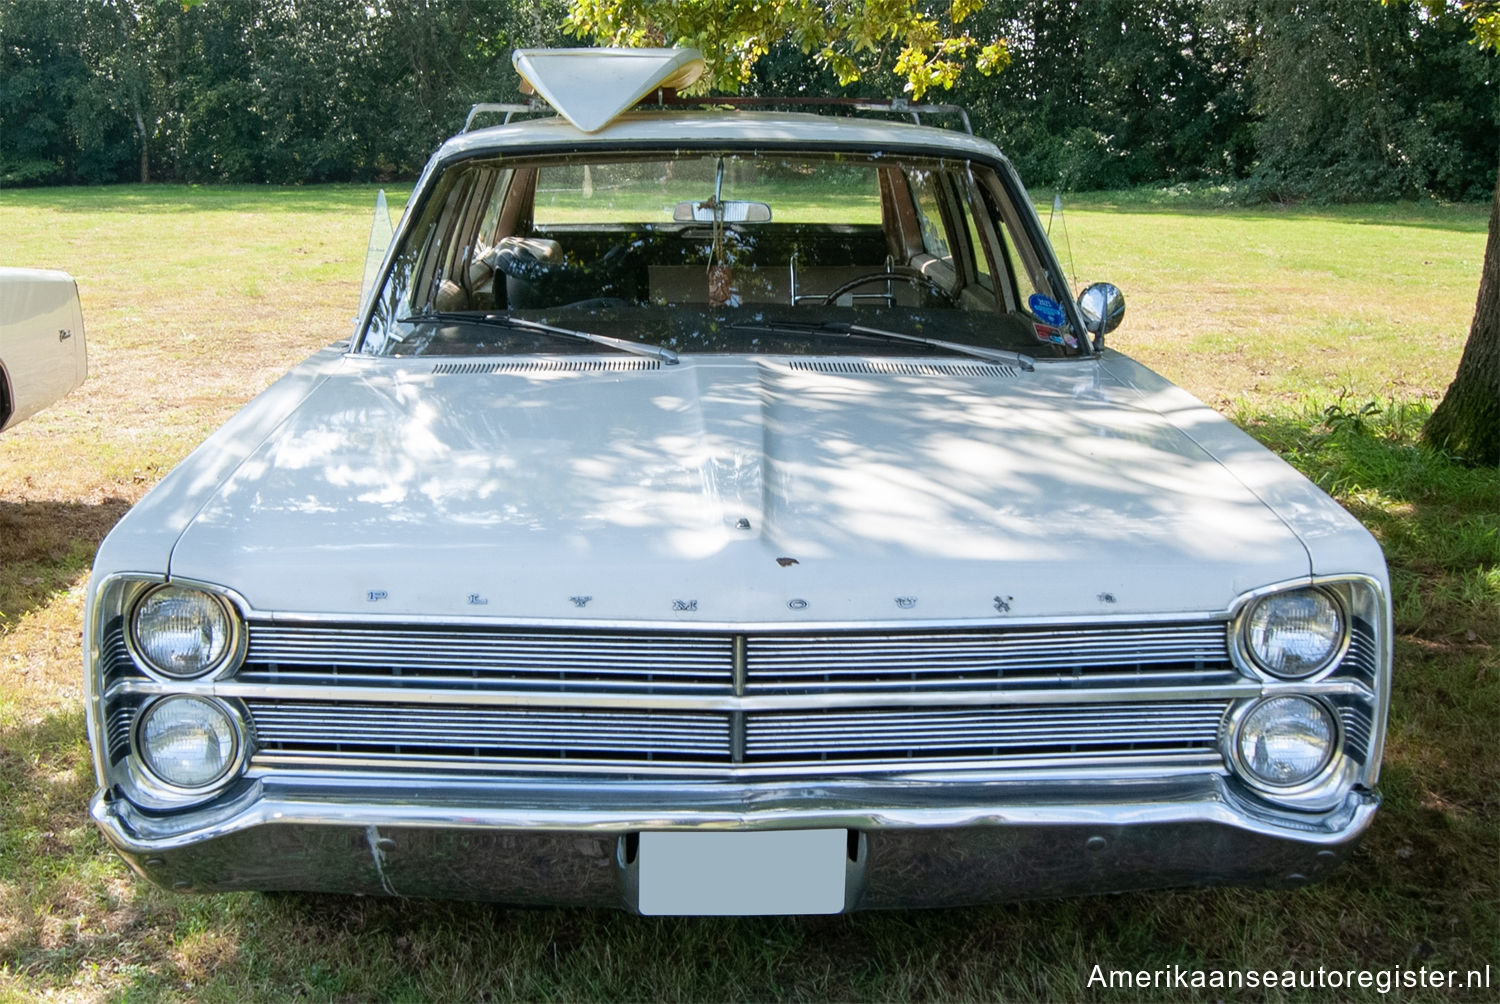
(1361, 661)
(1130, 729)
(114, 656)
(1358, 726)
(117, 730)
(703, 663)
(329, 729)
(562, 661)
(370, 696)
(970, 660)
(309, 732)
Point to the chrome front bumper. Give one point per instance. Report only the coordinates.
(912, 843)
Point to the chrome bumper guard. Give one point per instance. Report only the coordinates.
(912, 843)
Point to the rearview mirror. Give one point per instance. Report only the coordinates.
(734, 212)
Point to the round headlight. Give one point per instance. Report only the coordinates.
(1285, 741)
(188, 742)
(1295, 634)
(182, 632)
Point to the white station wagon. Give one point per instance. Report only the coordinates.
(722, 511)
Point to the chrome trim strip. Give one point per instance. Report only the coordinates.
(285, 619)
(873, 809)
(693, 702)
(287, 767)
(113, 592)
(728, 702)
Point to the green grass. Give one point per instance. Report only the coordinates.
(1326, 333)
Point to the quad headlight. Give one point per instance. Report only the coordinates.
(1294, 634)
(183, 632)
(1285, 741)
(188, 742)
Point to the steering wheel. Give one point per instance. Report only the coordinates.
(894, 272)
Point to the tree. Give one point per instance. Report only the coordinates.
(850, 37)
(1466, 423)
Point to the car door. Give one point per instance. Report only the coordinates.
(42, 351)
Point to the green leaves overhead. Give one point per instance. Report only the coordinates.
(849, 37)
(1285, 100)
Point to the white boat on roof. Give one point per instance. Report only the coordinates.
(589, 87)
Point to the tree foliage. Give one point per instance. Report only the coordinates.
(1276, 99)
(849, 37)
(248, 90)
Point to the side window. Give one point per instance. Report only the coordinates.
(980, 246)
(432, 270)
(930, 215)
(1024, 268)
(490, 222)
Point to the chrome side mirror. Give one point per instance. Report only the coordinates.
(1103, 308)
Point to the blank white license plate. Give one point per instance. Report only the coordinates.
(742, 872)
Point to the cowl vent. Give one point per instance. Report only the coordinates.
(882, 366)
(550, 366)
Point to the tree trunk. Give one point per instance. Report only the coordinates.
(1467, 422)
(140, 128)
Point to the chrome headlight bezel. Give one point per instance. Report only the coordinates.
(152, 783)
(1330, 773)
(227, 661)
(1245, 651)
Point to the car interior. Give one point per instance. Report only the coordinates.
(724, 230)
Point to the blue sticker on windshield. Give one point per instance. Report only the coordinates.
(1046, 309)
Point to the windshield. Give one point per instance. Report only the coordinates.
(694, 251)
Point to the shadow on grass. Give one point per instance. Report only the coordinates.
(57, 897)
(333, 947)
(44, 545)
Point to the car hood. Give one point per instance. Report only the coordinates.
(732, 489)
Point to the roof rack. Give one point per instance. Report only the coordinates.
(667, 98)
(507, 108)
(891, 106)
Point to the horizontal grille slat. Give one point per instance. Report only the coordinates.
(336, 728)
(1130, 728)
(967, 660)
(652, 663)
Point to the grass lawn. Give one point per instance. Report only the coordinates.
(1327, 333)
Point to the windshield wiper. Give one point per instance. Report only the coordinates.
(839, 329)
(521, 324)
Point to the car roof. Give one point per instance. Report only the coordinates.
(669, 128)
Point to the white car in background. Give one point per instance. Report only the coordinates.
(42, 350)
(725, 511)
